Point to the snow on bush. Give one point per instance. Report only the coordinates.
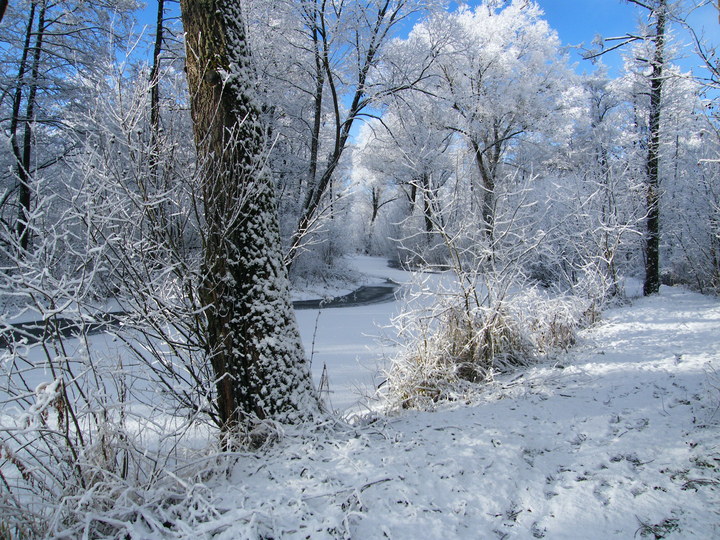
(476, 326)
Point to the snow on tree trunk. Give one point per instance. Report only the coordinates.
(652, 240)
(251, 337)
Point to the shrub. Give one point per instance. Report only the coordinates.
(459, 329)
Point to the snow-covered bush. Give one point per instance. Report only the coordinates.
(449, 348)
(87, 427)
(85, 417)
(449, 342)
(481, 312)
(71, 441)
(65, 416)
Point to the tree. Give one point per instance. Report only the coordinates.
(251, 336)
(324, 64)
(659, 11)
(690, 192)
(23, 153)
(408, 153)
(709, 242)
(601, 198)
(155, 91)
(49, 50)
(502, 74)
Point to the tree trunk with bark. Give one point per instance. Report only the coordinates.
(24, 155)
(427, 204)
(251, 336)
(154, 157)
(652, 238)
(487, 160)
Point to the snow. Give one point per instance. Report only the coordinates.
(348, 341)
(618, 438)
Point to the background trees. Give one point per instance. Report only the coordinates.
(52, 51)
(473, 125)
(501, 79)
(338, 71)
(404, 161)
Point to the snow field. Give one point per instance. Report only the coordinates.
(349, 340)
(617, 438)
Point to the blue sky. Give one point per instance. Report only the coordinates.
(578, 21)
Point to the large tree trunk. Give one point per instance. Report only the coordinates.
(252, 338)
(652, 238)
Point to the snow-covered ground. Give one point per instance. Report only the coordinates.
(618, 438)
(349, 342)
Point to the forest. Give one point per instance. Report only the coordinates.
(169, 183)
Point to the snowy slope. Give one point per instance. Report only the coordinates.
(617, 439)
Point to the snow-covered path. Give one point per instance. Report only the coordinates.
(617, 439)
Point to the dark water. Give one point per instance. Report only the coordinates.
(366, 295)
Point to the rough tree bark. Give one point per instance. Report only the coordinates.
(652, 239)
(251, 337)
